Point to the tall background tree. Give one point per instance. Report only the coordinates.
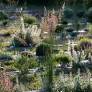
(47, 2)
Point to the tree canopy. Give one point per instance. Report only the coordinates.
(47, 2)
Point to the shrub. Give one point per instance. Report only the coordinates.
(43, 50)
(85, 43)
(69, 30)
(59, 29)
(63, 59)
(29, 19)
(5, 23)
(24, 63)
(76, 48)
(64, 22)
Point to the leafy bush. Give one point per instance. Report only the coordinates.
(59, 29)
(24, 63)
(85, 43)
(43, 50)
(63, 59)
(69, 30)
(64, 22)
(29, 19)
(77, 48)
(5, 23)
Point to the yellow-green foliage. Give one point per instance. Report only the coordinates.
(85, 40)
(29, 19)
(34, 84)
(90, 28)
(85, 43)
(63, 58)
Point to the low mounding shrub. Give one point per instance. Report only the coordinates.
(64, 22)
(63, 59)
(59, 29)
(85, 43)
(69, 30)
(29, 19)
(43, 50)
(5, 23)
(77, 48)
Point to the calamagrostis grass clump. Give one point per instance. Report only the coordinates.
(79, 83)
